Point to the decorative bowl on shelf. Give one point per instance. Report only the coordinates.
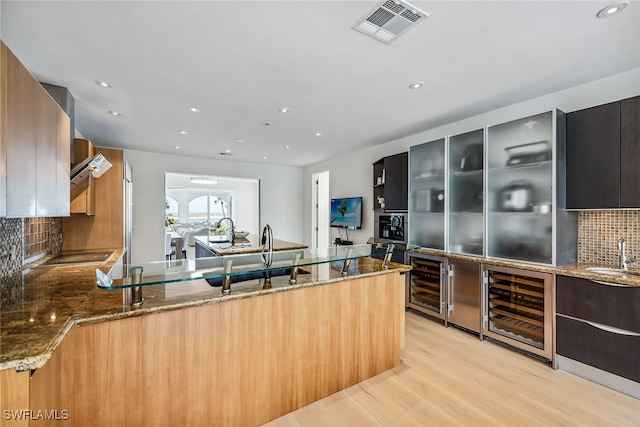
(241, 234)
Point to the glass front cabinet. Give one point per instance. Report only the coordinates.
(497, 192)
(426, 284)
(517, 308)
(465, 190)
(427, 190)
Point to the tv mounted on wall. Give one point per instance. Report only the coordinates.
(346, 212)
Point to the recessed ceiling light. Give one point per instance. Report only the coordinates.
(182, 132)
(102, 84)
(176, 146)
(114, 113)
(284, 110)
(318, 133)
(612, 9)
(264, 157)
(287, 146)
(194, 109)
(239, 140)
(207, 180)
(416, 85)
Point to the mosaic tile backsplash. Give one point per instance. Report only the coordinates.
(599, 231)
(10, 245)
(27, 239)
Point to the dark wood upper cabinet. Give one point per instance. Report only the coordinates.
(593, 157)
(630, 153)
(602, 156)
(392, 185)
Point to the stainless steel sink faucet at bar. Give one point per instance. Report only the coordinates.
(267, 253)
(623, 260)
(233, 232)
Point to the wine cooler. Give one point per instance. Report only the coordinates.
(426, 285)
(518, 309)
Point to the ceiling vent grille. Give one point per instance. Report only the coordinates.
(389, 20)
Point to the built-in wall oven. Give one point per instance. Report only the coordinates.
(390, 227)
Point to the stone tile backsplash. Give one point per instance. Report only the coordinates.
(599, 231)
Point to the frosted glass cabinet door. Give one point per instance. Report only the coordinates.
(519, 189)
(427, 189)
(465, 191)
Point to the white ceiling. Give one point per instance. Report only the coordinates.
(240, 61)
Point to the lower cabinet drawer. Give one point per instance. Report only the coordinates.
(613, 352)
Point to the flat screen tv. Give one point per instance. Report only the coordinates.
(346, 212)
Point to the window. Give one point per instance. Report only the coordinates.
(208, 209)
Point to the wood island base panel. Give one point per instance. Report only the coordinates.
(241, 362)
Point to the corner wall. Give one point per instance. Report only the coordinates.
(281, 202)
(351, 174)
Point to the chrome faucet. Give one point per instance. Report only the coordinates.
(233, 231)
(267, 253)
(623, 259)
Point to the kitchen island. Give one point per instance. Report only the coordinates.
(192, 356)
(206, 246)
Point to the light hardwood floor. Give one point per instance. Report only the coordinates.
(450, 378)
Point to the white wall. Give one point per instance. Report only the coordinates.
(351, 175)
(281, 201)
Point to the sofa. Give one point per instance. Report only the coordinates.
(189, 231)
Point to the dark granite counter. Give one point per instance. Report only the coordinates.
(52, 300)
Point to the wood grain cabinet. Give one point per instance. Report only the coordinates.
(598, 324)
(603, 153)
(3, 129)
(36, 143)
(390, 182)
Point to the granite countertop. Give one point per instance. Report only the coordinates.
(575, 270)
(43, 304)
(50, 301)
(250, 244)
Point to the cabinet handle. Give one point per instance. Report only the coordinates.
(613, 330)
(616, 285)
(450, 289)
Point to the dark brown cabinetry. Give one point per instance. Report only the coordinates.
(603, 151)
(598, 324)
(390, 182)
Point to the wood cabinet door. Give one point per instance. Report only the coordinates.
(593, 157)
(46, 153)
(610, 351)
(21, 139)
(630, 153)
(3, 129)
(607, 304)
(395, 186)
(63, 163)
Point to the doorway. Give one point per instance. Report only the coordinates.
(195, 204)
(321, 210)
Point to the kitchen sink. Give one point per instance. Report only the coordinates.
(612, 271)
(79, 258)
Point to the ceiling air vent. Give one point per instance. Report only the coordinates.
(389, 20)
